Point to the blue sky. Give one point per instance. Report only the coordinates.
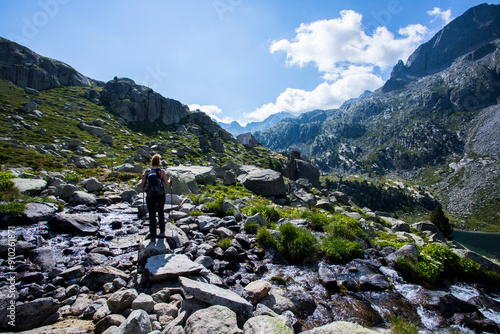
(234, 59)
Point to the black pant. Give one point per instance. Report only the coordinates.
(156, 204)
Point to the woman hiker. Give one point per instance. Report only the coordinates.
(154, 181)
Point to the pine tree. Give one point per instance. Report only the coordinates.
(442, 222)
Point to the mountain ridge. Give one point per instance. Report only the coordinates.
(415, 127)
(236, 129)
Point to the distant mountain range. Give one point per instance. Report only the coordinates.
(235, 128)
(437, 119)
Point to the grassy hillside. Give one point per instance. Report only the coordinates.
(25, 136)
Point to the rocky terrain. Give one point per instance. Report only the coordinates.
(91, 269)
(435, 120)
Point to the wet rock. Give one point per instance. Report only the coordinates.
(256, 290)
(84, 224)
(137, 322)
(215, 295)
(340, 327)
(121, 300)
(215, 319)
(266, 324)
(21, 247)
(449, 305)
(46, 257)
(277, 302)
(477, 324)
(353, 308)
(36, 212)
(304, 304)
(98, 276)
(327, 278)
(161, 267)
(375, 282)
(484, 302)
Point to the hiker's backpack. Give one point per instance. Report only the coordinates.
(154, 184)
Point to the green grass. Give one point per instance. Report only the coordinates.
(271, 213)
(399, 325)
(338, 250)
(224, 243)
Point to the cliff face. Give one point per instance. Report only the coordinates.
(136, 103)
(25, 68)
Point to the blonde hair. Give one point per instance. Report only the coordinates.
(156, 160)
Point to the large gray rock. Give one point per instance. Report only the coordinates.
(184, 182)
(202, 174)
(138, 322)
(143, 302)
(277, 302)
(36, 313)
(84, 224)
(206, 223)
(214, 319)
(298, 169)
(130, 167)
(82, 197)
(407, 251)
(148, 249)
(64, 191)
(83, 162)
(305, 197)
(266, 324)
(175, 236)
(93, 130)
(375, 282)
(121, 300)
(30, 187)
(98, 276)
(340, 327)
(92, 184)
(264, 182)
(481, 260)
(161, 267)
(396, 224)
(215, 295)
(36, 212)
(425, 226)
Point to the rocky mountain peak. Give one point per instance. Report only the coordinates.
(474, 29)
(26, 68)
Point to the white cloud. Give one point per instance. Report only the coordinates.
(346, 58)
(438, 13)
(211, 111)
(334, 44)
(352, 82)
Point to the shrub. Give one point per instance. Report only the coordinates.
(72, 176)
(316, 219)
(13, 210)
(339, 250)
(224, 243)
(345, 227)
(269, 212)
(251, 227)
(401, 326)
(195, 213)
(297, 245)
(7, 190)
(216, 205)
(263, 235)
